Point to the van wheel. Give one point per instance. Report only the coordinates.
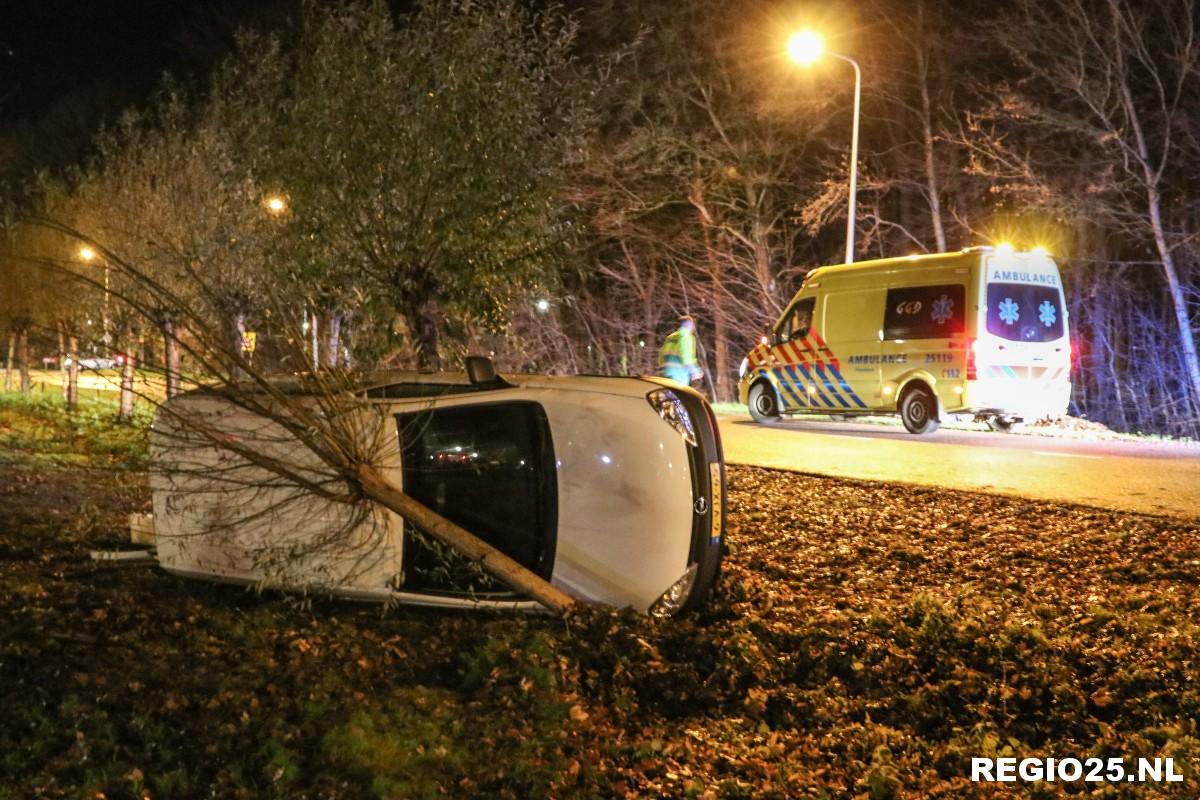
(918, 410)
(764, 406)
(1002, 424)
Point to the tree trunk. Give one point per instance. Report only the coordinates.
(170, 354)
(314, 339)
(717, 308)
(237, 341)
(333, 334)
(73, 370)
(1152, 177)
(8, 362)
(61, 327)
(1187, 340)
(491, 560)
(127, 375)
(931, 179)
(721, 353)
(422, 319)
(720, 386)
(23, 358)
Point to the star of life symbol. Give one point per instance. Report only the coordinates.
(1010, 312)
(1047, 313)
(943, 309)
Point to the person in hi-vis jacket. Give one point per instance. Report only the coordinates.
(677, 356)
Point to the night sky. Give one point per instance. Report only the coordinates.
(67, 65)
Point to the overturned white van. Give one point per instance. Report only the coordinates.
(610, 488)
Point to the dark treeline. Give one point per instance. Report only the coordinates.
(442, 171)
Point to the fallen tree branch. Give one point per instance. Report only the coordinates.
(491, 560)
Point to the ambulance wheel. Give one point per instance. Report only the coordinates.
(1002, 424)
(764, 405)
(918, 410)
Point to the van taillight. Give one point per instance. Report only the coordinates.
(972, 347)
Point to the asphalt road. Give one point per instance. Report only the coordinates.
(1144, 476)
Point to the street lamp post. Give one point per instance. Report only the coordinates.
(277, 206)
(89, 255)
(805, 48)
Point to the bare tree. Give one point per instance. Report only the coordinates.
(690, 199)
(1106, 89)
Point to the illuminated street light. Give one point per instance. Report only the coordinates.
(87, 253)
(542, 305)
(805, 48)
(276, 204)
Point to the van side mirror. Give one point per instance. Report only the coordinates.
(482, 373)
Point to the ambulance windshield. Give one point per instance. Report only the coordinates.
(1023, 312)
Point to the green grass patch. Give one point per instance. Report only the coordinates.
(36, 428)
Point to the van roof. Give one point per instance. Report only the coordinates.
(922, 260)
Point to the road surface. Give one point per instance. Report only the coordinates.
(1144, 476)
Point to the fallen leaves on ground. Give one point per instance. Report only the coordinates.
(866, 640)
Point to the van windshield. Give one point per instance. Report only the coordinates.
(490, 469)
(1024, 312)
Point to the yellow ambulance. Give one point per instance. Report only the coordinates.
(980, 333)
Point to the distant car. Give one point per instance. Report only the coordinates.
(611, 488)
(98, 362)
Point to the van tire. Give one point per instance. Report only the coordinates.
(919, 410)
(763, 404)
(1002, 424)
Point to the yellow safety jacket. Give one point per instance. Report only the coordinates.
(680, 347)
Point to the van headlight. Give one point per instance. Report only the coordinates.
(668, 406)
(745, 365)
(673, 598)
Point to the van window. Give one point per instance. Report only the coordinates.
(1024, 312)
(851, 316)
(925, 312)
(797, 321)
(490, 469)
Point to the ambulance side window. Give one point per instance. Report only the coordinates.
(925, 312)
(797, 322)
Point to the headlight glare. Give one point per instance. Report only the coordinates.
(668, 406)
(674, 597)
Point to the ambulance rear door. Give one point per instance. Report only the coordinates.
(1024, 350)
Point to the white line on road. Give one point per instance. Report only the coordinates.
(1066, 455)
